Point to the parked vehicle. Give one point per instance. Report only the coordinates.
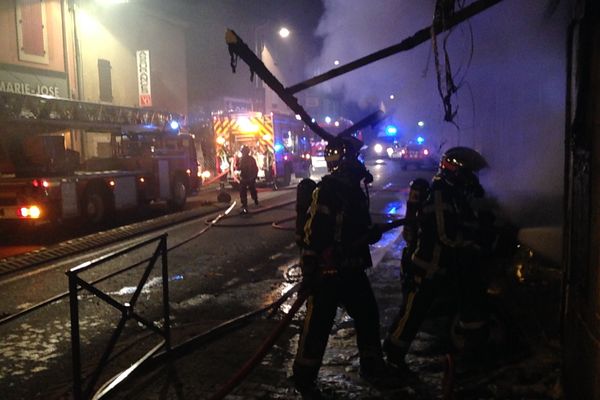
(414, 155)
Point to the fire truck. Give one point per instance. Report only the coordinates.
(63, 159)
(280, 143)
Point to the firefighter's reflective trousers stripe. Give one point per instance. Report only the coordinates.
(351, 291)
(465, 283)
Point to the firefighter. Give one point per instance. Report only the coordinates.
(335, 255)
(418, 192)
(448, 254)
(248, 174)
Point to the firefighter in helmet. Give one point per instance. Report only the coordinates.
(335, 255)
(448, 254)
(248, 174)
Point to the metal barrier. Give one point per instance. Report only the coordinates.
(127, 312)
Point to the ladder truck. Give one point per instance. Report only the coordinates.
(64, 159)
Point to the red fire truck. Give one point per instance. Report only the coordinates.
(63, 159)
(280, 144)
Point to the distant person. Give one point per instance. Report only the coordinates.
(448, 253)
(248, 174)
(335, 255)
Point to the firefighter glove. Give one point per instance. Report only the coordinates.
(374, 234)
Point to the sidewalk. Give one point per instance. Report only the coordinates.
(527, 290)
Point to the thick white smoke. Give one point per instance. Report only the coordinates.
(510, 104)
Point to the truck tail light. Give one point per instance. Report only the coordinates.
(40, 183)
(31, 212)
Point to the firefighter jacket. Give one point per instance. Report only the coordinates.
(448, 230)
(338, 221)
(248, 168)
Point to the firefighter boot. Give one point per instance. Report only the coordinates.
(395, 356)
(477, 352)
(305, 382)
(376, 372)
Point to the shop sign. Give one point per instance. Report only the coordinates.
(143, 69)
(36, 84)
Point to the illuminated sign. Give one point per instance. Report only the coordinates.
(143, 70)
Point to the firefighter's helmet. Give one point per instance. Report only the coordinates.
(341, 154)
(340, 150)
(459, 166)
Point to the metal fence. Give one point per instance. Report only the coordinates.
(84, 390)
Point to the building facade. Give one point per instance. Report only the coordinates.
(89, 50)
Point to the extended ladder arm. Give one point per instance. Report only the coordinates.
(237, 47)
(44, 111)
(409, 43)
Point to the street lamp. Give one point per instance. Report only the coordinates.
(259, 43)
(284, 32)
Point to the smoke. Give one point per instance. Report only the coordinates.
(509, 63)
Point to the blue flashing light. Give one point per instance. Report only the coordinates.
(391, 130)
(278, 147)
(420, 140)
(174, 125)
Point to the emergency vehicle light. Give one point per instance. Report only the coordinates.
(246, 126)
(391, 130)
(32, 212)
(278, 147)
(174, 125)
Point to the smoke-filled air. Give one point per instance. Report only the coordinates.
(508, 66)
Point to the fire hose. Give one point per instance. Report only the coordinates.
(264, 348)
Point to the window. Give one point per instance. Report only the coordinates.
(105, 80)
(32, 39)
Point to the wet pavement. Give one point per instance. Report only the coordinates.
(525, 364)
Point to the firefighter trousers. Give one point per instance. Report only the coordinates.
(352, 291)
(248, 185)
(464, 285)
